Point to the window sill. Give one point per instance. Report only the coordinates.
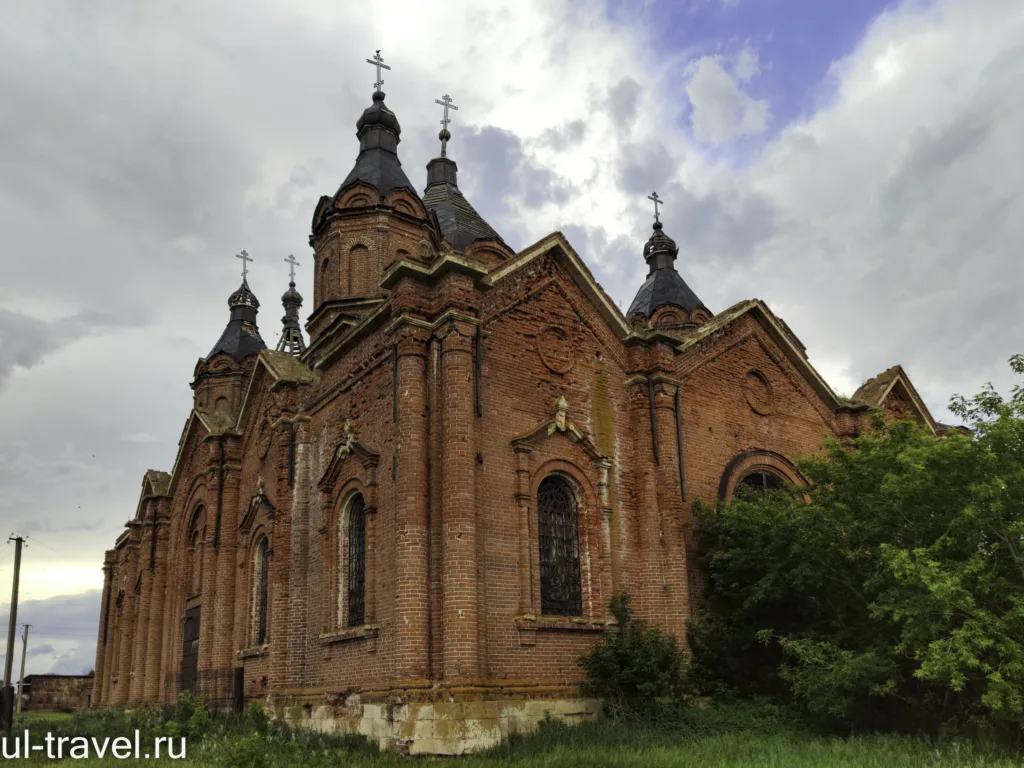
(528, 626)
(349, 633)
(249, 653)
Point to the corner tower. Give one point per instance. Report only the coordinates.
(373, 219)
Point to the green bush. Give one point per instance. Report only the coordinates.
(637, 671)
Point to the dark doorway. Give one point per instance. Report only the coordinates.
(190, 650)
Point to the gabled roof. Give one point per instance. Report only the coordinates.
(875, 390)
(778, 332)
(154, 485)
(558, 246)
(283, 368)
(213, 424)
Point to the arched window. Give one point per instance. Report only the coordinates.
(196, 548)
(762, 481)
(260, 590)
(354, 537)
(558, 534)
(359, 275)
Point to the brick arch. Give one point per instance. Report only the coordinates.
(406, 203)
(757, 460)
(335, 608)
(253, 575)
(358, 196)
(194, 535)
(589, 535)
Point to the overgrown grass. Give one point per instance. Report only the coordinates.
(748, 734)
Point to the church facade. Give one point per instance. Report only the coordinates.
(412, 526)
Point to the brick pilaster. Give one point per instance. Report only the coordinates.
(127, 628)
(411, 609)
(207, 616)
(646, 566)
(219, 622)
(154, 660)
(458, 512)
(103, 630)
(671, 513)
(298, 604)
(140, 641)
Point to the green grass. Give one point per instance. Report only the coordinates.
(738, 735)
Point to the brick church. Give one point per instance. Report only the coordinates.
(411, 526)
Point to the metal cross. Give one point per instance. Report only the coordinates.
(244, 256)
(293, 263)
(657, 201)
(378, 61)
(446, 102)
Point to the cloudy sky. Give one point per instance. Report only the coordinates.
(857, 165)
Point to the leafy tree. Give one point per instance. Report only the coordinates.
(888, 593)
(639, 670)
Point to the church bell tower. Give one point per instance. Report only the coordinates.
(375, 218)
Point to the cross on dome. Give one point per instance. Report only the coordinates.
(378, 61)
(244, 256)
(292, 264)
(446, 102)
(657, 201)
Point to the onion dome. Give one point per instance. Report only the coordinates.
(241, 337)
(377, 163)
(663, 285)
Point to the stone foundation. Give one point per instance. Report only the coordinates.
(436, 727)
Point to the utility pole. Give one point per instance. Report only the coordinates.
(7, 697)
(21, 678)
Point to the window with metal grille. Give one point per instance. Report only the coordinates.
(261, 582)
(356, 581)
(762, 481)
(558, 534)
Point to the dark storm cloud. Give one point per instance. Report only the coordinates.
(622, 102)
(724, 225)
(503, 174)
(617, 262)
(65, 627)
(645, 167)
(565, 137)
(26, 341)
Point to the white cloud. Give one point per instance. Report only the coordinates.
(721, 109)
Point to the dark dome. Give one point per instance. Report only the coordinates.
(291, 295)
(243, 297)
(663, 284)
(241, 337)
(377, 163)
(659, 243)
(378, 114)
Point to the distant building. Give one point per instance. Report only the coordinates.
(56, 693)
(413, 526)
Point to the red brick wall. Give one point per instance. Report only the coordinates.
(452, 554)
